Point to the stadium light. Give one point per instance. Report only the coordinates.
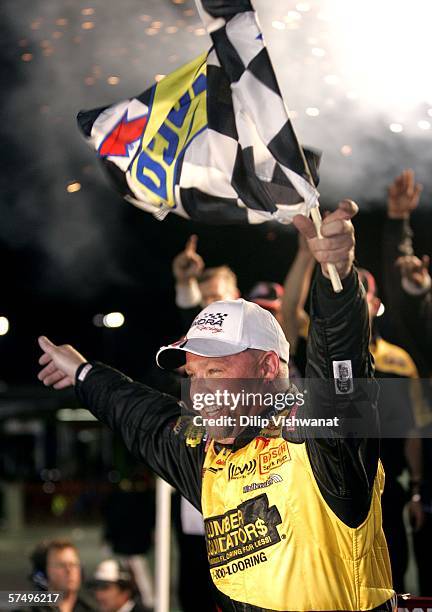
(113, 319)
(4, 326)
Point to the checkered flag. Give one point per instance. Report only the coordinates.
(212, 141)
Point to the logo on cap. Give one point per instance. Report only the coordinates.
(210, 321)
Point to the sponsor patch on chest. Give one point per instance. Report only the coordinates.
(273, 458)
(244, 530)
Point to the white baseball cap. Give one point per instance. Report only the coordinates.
(225, 328)
(111, 571)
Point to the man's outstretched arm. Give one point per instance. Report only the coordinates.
(147, 420)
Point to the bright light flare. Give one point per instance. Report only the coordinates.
(113, 319)
(367, 38)
(397, 128)
(4, 326)
(318, 52)
(73, 187)
(381, 310)
(424, 125)
(278, 25)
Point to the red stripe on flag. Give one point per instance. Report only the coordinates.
(123, 134)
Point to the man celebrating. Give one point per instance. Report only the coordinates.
(291, 524)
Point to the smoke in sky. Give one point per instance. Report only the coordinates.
(354, 78)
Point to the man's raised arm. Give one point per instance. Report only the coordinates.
(340, 372)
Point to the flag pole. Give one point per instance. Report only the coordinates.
(315, 212)
(317, 220)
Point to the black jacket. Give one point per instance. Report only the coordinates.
(411, 315)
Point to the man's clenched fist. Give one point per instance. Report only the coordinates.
(337, 243)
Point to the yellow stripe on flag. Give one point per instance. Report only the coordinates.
(177, 114)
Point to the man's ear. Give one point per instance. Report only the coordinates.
(269, 366)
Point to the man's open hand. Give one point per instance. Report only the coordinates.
(188, 264)
(61, 364)
(337, 243)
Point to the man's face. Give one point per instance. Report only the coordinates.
(212, 374)
(241, 365)
(343, 372)
(218, 288)
(63, 570)
(111, 597)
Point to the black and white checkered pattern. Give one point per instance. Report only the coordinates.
(246, 165)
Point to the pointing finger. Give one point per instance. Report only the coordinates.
(46, 345)
(191, 244)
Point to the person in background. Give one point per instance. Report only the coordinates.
(407, 284)
(295, 320)
(114, 588)
(268, 295)
(197, 286)
(56, 567)
(396, 402)
(408, 295)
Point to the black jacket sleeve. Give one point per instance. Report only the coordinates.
(150, 424)
(397, 241)
(344, 464)
(417, 310)
(411, 315)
